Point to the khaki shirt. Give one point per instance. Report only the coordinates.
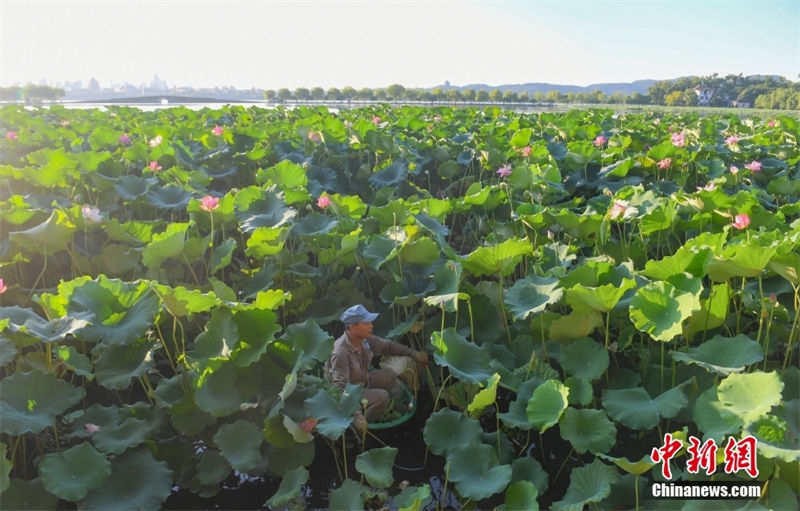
(347, 365)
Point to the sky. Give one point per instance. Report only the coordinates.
(269, 44)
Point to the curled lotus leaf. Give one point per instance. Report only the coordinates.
(475, 471)
(547, 404)
(466, 360)
(30, 402)
(334, 415)
(722, 355)
(48, 237)
(291, 484)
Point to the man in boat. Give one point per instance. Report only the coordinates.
(351, 359)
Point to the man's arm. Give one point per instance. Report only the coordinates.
(340, 371)
(381, 346)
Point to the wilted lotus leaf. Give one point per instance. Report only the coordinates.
(498, 259)
(332, 415)
(584, 358)
(376, 465)
(240, 443)
(591, 483)
(30, 402)
(145, 483)
(637, 410)
(466, 360)
(348, 497)
(475, 471)
(447, 429)
(722, 355)
(522, 495)
(531, 295)
(750, 395)
(587, 430)
(71, 473)
(291, 484)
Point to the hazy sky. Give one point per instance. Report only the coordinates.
(272, 44)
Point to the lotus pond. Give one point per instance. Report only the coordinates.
(587, 283)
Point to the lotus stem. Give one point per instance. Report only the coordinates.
(563, 463)
(636, 490)
(793, 332)
(344, 454)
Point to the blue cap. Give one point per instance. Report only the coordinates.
(357, 314)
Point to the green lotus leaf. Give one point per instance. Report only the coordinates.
(588, 484)
(212, 468)
(26, 328)
(181, 302)
(527, 468)
(446, 281)
(350, 206)
(485, 397)
(746, 261)
(117, 259)
(376, 465)
(283, 459)
(269, 211)
(257, 328)
(266, 241)
(348, 497)
(314, 224)
(548, 402)
(120, 434)
(8, 352)
(223, 255)
(5, 468)
(713, 311)
(777, 435)
(188, 419)
(584, 358)
(475, 471)
(522, 495)
(333, 417)
(575, 325)
(602, 298)
(712, 418)
(684, 260)
(30, 402)
(114, 366)
(531, 295)
(413, 498)
(308, 338)
(447, 429)
(423, 251)
(390, 176)
(637, 410)
(659, 309)
(466, 360)
(219, 338)
(71, 473)
(431, 225)
(286, 174)
(517, 417)
(498, 259)
(165, 245)
(126, 326)
(580, 390)
(750, 395)
(240, 443)
(168, 197)
(787, 266)
(130, 187)
(216, 391)
(48, 237)
(587, 430)
(145, 483)
(29, 494)
(722, 355)
(379, 250)
(636, 468)
(291, 484)
(136, 233)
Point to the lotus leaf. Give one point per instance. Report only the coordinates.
(266, 241)
(308, 338)
(181, 302)
(527, 468)
(575, 325)
(286, 174)
(391, 175)
(283, 459)
(787, 266)
(602, 298)
(413, 498)
(314, 224)
(635, 409)
(29, 494)
(223, 255)
(5, 468)
(694, 261)
(522, 495)
(26, 328)
(131, 187)
(216, 392)
(712, 418)
(30, 402)
(334, 415)
(485, 397)
(500, 259)
(376, 465)
(713, 310)
(636, 468)
(777, 435)
(745, 261)
(659, 309)
(8, 351)
(71, 473)
(467, 361)
(144, 482)
(447, 429)
(722, 355)
(750, 395)
(548, 402)
(115, 365)
(348, 497)
(218, 340)
(584, 358)
(267, 212)
(587, 430)
(475, 471)
(48, 237)
(588, 484)
(212, 468)
(531, 295)
(165, 245)
(580, 390)
(240, 443)
(168, 197)
(291, 484)
(517, 417)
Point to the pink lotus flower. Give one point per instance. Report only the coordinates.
(773, 298)
(308, 425)
(732, 140)
(437, 118)
(11, 135)
(709, 187)
(124, 139)
(664, 164)
(753, 166)
(526, 151)
(599, 140)
(91, 214)
(772, 123)
(617, 209)
(3, 287)
(678, 139)
(741, 221)
(504, 171)
(314, 137)
(217, 130)
(91, 429)
(376, 120)
(734, 169)
(323, 201)
(155, 141)
(656, 121)
(209, 203)
(154, 166)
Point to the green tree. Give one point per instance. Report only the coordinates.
(468, 94)
(482, 96)
(317, 93)
(302, 94)
(395, 92)
(496, 95)
(269, 95)
(348, 93)
(284, 94)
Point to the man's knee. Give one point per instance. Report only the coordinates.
(377, 400)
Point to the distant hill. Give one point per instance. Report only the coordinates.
(627, 89)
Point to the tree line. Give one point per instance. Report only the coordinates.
(31, 93)
(758, 91)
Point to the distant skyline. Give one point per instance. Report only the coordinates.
(273, 44)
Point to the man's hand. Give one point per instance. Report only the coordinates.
(421, 357)
(360, 423)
